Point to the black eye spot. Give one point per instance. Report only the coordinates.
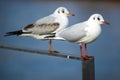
(63, 11)
(98, 18)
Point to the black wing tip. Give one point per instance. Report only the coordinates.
(19, 32)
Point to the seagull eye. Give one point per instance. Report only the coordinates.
(93, 18)
(63, 11)
(98, 18)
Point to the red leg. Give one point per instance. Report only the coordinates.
(86, 52)
(81, 51)
(50, 46)
(83, 57)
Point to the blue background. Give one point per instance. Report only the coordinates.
(15, 65)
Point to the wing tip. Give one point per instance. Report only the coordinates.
(19, 32)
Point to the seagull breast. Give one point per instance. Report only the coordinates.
(92, 33)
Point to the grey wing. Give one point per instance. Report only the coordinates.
(47, 19)
(44, 28)
(45, 25)
(74, 33)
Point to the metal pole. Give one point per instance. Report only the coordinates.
(43, 52)
(88, 70)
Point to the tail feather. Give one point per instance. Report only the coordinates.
(19, 32)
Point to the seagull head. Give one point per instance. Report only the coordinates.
(97, 18)
(63, 11)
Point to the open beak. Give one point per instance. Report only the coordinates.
(105, 22)
(70, 14)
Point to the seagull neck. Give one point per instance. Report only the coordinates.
(63, 20)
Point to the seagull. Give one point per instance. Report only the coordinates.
(84, 32)
(46, 27)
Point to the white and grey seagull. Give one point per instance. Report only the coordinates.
(83, 33)
(46, 27)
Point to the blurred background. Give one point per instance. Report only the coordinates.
(15, 65)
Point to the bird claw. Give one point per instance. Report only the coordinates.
(52, 52)
(86, 57)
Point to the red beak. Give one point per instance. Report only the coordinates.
(105, 22)
(70, 14)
